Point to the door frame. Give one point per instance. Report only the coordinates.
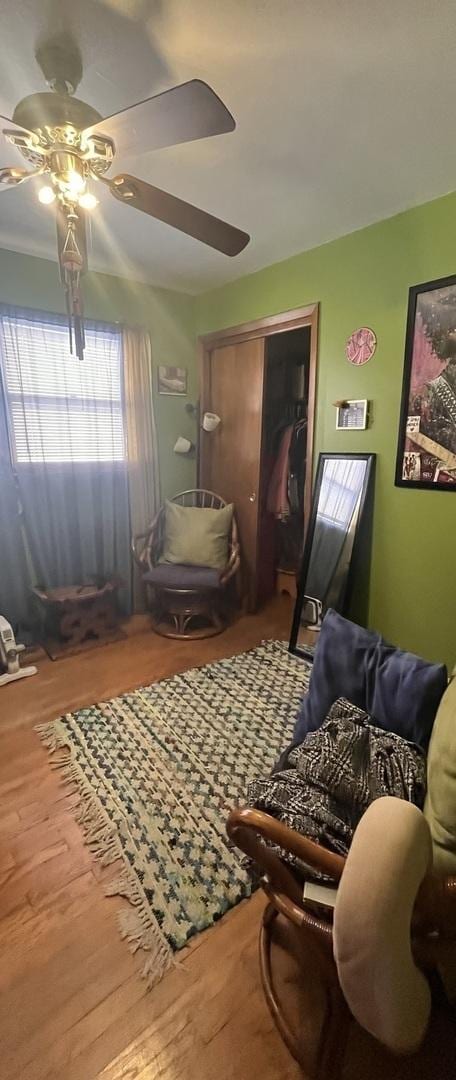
(294, 319)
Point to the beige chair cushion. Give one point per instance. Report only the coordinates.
(197, 536)
(390, 854)
(440, 805)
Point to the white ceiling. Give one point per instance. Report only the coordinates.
(344, 109)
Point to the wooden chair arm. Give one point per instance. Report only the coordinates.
(234, 560)
(232, 565)
(135, 546)
(144, 554)
(309, 852)
(295, 912)
(245, 826)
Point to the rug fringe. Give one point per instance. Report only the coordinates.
(135, 923)
(125, 885)
(54, 735)
(136, 928)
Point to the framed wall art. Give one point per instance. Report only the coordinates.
(352, 415)
(426, 453)
(172, 380)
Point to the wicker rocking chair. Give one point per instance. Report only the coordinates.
(433, 932)
(186, 601)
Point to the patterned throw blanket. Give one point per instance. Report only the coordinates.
(335, 774)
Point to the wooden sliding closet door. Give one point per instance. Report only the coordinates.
(230, 457)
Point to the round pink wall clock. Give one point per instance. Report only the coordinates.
(360, 346)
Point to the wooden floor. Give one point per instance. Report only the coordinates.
(72, 1005)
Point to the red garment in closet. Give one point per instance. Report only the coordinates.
(277, 501)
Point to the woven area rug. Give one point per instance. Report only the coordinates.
(159, 769)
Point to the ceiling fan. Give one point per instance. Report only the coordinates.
(68, 143)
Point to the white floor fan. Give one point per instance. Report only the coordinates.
(9, 655)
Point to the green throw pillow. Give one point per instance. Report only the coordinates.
(196, 536)
(440, 804)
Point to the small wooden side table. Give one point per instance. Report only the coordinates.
(78, 617)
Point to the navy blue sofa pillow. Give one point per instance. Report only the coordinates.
(399, 690)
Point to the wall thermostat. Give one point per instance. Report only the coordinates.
(352, 415)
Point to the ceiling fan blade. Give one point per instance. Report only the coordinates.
(13, 175)
(187, 112)
(8, 127)
(181, 215)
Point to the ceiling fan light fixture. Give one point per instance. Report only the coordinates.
(68, 142)
(68, 173)
(75, 183)
(88, 200)
(46, 195)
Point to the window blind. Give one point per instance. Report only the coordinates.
(340, 490)
(62, 409)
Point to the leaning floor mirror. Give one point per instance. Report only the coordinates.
(341, 502)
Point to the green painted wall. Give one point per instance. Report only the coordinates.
(168, 315)
(360, 279)
(363, 279)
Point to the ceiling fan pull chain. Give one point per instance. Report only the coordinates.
(68, 308)
(72, 262)
(78, 328)
(75, 313)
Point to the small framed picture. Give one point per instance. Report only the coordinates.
(352, 415)
(172, 380)
(426, 453)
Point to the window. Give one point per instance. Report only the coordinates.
(340, 491)
(61, 409)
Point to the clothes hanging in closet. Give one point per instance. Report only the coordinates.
(277, 501)
(297, 467)
(286, 486)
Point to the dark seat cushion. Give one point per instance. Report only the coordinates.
(398, 689)
(178, 576)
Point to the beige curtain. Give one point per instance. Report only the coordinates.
(142, 450)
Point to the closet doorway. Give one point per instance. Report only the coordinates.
(260, 379)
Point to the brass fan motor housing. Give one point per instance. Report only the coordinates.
(45, 112)
(60, 60)
(63, 165)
